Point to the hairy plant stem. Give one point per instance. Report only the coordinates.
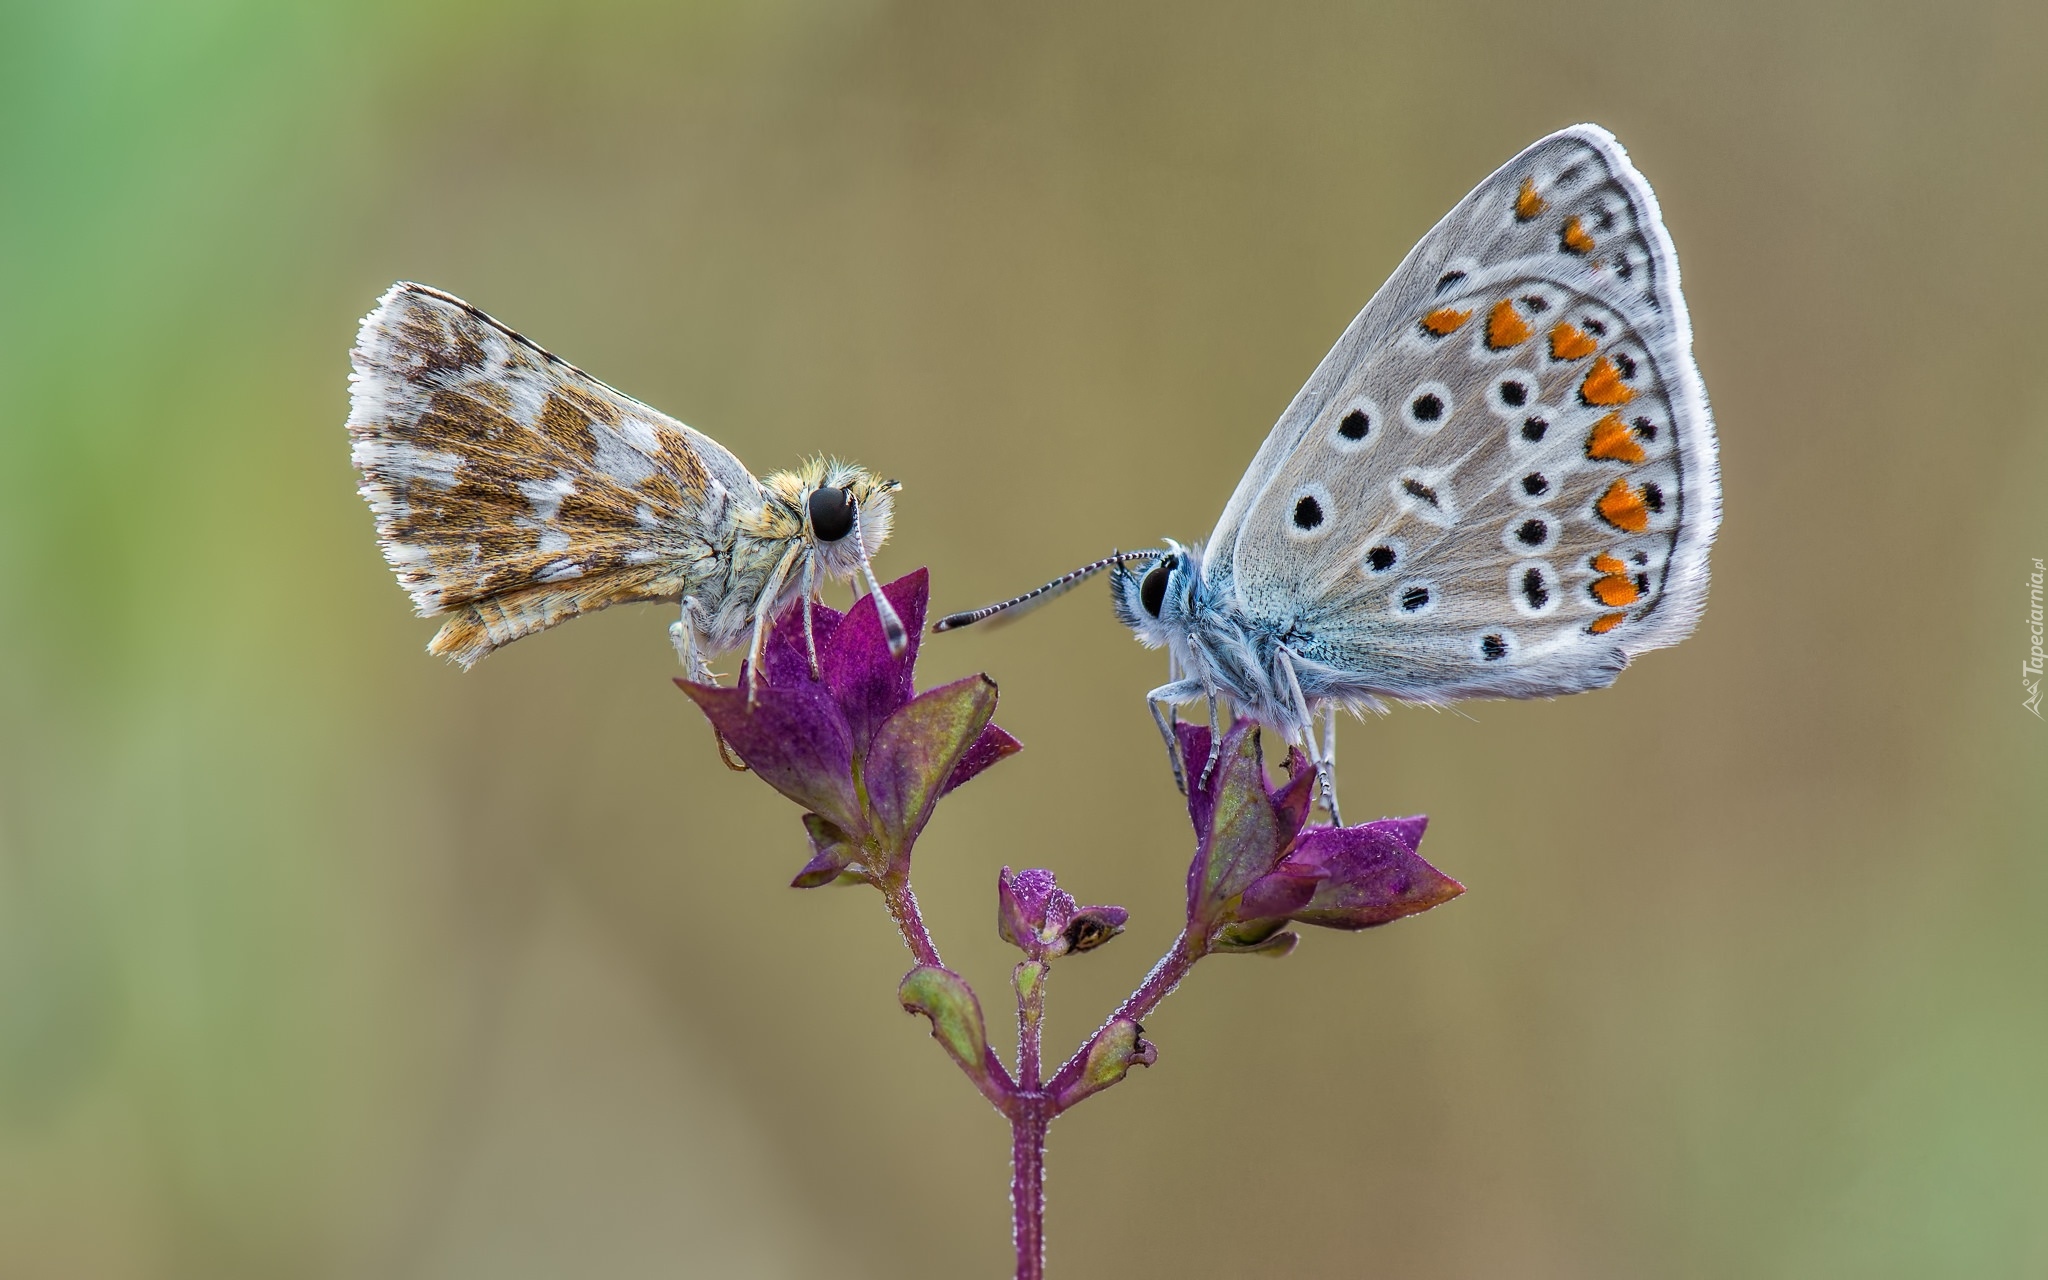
(1158, 984)
(1029, 1102)
(1030, 1112)
(896, 892)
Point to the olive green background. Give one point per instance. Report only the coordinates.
(319, 958)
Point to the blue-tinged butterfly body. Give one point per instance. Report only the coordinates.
(1501, 482)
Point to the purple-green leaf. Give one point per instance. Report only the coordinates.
(832, 852)
(916, 750)
(794, 739)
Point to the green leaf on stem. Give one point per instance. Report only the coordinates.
(1115, 1050)
(944, 997)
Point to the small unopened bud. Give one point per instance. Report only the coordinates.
(1115, 1050)
(1040, 919)
(945, 998)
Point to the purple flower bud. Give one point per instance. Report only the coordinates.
(1040, 919)
(1357, 877)
(1256, 868)
(857, 747)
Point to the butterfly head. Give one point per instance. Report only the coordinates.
(1155, 595)
(841, 511)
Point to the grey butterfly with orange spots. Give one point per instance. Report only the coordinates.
(1502, 482)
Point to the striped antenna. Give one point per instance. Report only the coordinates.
(1052, 590)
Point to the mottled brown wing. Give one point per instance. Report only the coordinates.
(511, 488)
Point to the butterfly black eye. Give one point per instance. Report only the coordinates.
(832, 514)
(1152, 591)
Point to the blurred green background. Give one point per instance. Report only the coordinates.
(321, 959)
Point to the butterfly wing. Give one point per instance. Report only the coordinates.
(514, 490)
(1502, 481)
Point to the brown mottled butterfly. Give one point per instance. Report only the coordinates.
(513, 491)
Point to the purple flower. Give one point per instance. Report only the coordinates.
(858, 747)
(1256, 868)
(1039, 918)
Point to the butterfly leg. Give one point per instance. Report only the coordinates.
(1163, 701)
(1160, 712)
(1324, 759)
(1215, 741)
(764, 610)
(810, 627)
(682, 633)
(1328, 770)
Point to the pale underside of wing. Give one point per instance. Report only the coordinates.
(1509, 489)
(1581, 171)
(514, 489)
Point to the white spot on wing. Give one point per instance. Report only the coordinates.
(398, 463)
(641, 436)
(546, 495)
(618, 458)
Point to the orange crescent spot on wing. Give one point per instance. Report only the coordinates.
(1444, 321)
(1504, 327)
(1614, 591)
(1605, 623)
(1612, 441)
(1528, 204)
(1603, 385)
(1574, 239)
(1567, 343)
(1623, 508)
(1608, 564)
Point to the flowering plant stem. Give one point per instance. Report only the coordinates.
(834, 722)
(1030, 1103)
(1027, 1103)
(902, 902)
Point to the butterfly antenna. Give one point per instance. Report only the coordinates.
(892, 626)
(1052, 590)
